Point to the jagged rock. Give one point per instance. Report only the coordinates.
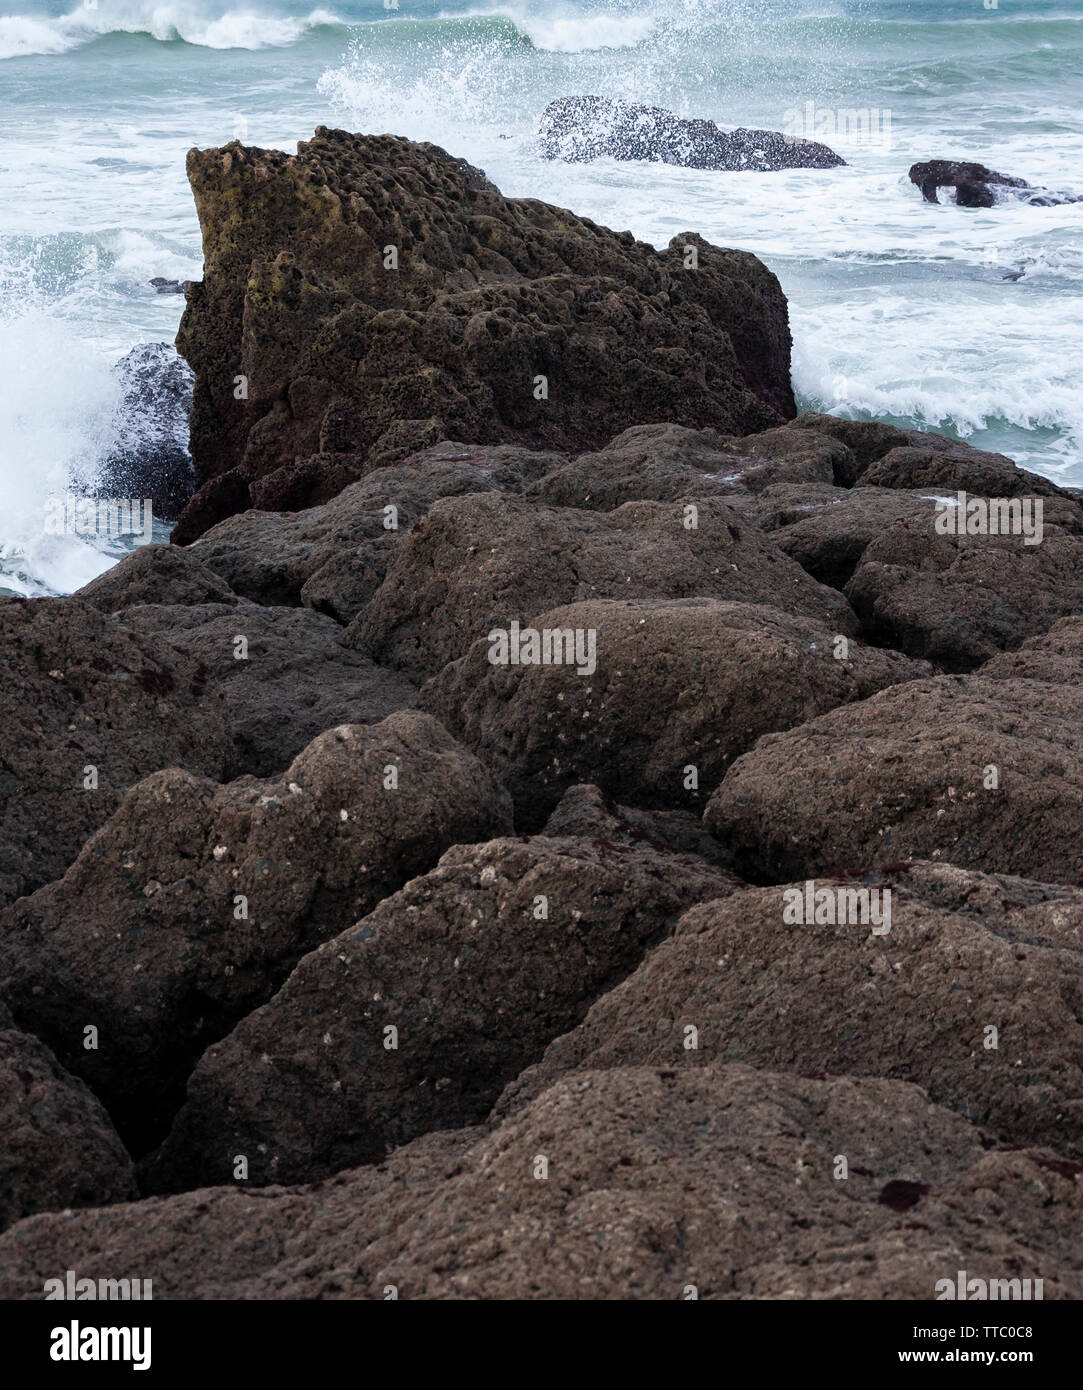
(957, 600)
(475, 967)
(831, 537)
(87, 707)
(269, 557)
(340, 353)
(910, 773)
(715, 1181)
(681, 689)
(586, 812)
(657, 463)
(482, 562)
(156, 574)
(150, 456)
(978, 187)
(294, 680)
(844, 1000)
(580, 129)
(191, 905)
(307, 482)
(1056, 655)
(960, 468)
(60, 1148)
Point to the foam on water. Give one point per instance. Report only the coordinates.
(898, 308)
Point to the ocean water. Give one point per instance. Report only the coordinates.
(900, 310)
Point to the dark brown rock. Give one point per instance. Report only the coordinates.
(156, 574)
(269, 557)
(904, 775)
(961, 468)
(680, 690)
(482, 562)
(60, 1148)
(339, 353)
(957, 600)
(846, 1001)
(830, 539)
(313, 1082)
(584, 811)
(657, 463)
(145, 937)
(1056, 655)
(630, 1209)
(81, 692)
(294, 681)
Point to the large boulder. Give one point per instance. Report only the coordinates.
(87, 707)
(682, 687)
(283, 673)
(1056, 655)
(192, 904)
(60, 1148)
(958, 599)
(361, 290)
(828, 535)
(579, 129)
(338, 552)
(983, 1010)
(982, 773)
(713, 1182)
(160, 574)
(415, 1018)
(483, 562)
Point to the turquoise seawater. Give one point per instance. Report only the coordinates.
(900, 310)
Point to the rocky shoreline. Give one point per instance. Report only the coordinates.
(556, 823)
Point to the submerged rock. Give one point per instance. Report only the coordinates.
(977, 187)
(579, 129)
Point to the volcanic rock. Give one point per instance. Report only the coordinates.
(580, 129)
(191, 905)
(415, 1018)
(269, 557)
(957, 600)
(87, 708)
(681, 689)
(360, 290)
(283, 673)
(60, 1148)
(156, 574)
(483, 562)
(844, 1000)
(982, 773)
(716, 1182)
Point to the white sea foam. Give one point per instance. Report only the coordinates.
(24, 35)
